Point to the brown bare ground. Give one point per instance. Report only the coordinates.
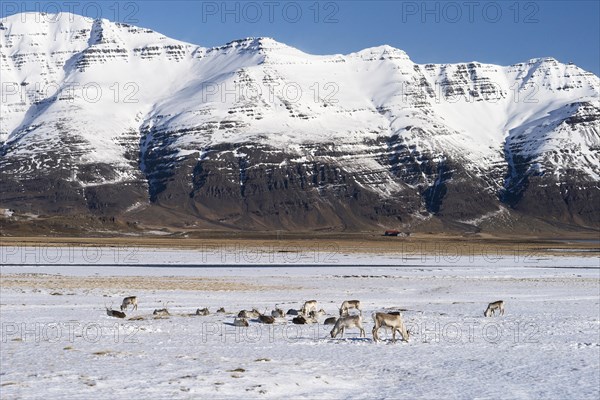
(341, 243)
(60, 282)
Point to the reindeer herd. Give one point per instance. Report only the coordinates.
(309, 314)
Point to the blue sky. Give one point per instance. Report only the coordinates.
(500, 32)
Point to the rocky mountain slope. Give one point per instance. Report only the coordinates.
(114, 121)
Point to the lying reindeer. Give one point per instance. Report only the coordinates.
(131, 300)
(249, 314)
(163, 312)
(352, 321)
(266, 319)
(389, 320)
(202, 311)
(241, 322)
(114, 313)
(302, 320)
(349, 304)
(277, 313)
(492, 307)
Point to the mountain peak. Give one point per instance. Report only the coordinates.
(268, 49)
(543, 60)
(257, 44)
(34, 17)
(39, 22)
(383, 52)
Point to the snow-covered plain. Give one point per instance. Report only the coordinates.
(58, 342)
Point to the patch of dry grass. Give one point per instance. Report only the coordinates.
(52, 282)
(372, 243)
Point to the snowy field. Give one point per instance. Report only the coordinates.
(58, 342)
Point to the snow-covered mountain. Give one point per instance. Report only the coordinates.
(110, 119)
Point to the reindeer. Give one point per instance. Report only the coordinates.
(299, 320)
(492, 307)
(277, 313)
(127, 301)
(249, 314)
(266, 319)
(349, 304)
(330, 321)
(202, 311)
(114, 313)
(389, 320)
(241, 322)
(302, 320)
(309, 306)
(316, 314)
(351, 321)
(162, 312)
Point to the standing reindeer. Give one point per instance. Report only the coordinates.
(353, 321)
(390, 320)
(131, 300)
(309, 306)
(349, 304)
(492, 307)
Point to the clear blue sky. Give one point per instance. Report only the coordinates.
(501, 32)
